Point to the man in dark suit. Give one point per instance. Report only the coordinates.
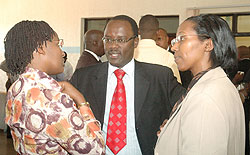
(151, 90)
(243, 65)
(93, 49)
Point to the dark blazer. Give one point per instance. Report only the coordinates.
(86, 59)
(156, 91)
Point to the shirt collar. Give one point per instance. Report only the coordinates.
(128, 68)
(92, 53)
(147, 41)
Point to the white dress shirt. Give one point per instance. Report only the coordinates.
(132, 147)
(92, 53)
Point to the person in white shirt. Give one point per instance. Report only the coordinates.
(148, 51)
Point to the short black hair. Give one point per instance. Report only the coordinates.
(22, 40)
(224, 53)
(165, 31)
(148, 23)
(148, 26)
(130, 20)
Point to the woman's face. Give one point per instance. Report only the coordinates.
(54, 56)
(190, 52)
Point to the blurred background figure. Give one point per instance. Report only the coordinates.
(94, 49)
(162, 39)
(241, 81)
(243, 58)
(245, 97)
(148, 51)
(11, 79)
(243, 66)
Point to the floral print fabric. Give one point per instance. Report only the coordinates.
(43, 120)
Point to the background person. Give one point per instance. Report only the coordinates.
(11, 79)
(94, 49)
(209, 119)
(162, 41)
(148, 51)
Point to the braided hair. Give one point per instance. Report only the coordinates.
(22, 40)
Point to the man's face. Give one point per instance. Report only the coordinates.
(162, 39)
(119, 54)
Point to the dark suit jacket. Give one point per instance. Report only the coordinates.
(86, 59)
(156, 91)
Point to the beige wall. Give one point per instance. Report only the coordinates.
(64, 16)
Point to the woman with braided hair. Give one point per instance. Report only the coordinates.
(45, 117)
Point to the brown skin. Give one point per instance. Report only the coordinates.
(93, 42)
(162, 39)
(51, 58)
(191, 53)
(69, 89)
(119, 54)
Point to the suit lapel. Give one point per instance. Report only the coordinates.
(100, 82)
(141, 88)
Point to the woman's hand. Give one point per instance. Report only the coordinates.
(69, 89)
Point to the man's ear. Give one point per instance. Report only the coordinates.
(209, 45)
(136, 41)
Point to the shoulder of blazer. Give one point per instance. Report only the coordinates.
(148, 68)
(95, 70)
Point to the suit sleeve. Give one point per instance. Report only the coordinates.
(203, 128)
(74, 79)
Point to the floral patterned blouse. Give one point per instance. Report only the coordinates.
(43, 120)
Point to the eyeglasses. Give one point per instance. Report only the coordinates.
(117, 41)
(60, 42)
(182, 37)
